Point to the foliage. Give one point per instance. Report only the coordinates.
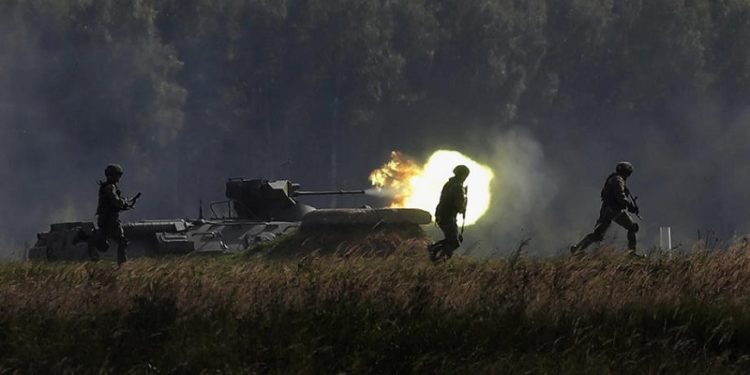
(253, 75)
(601, 314)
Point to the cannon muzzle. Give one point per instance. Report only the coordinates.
(327, 192)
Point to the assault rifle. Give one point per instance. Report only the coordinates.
(131, 201)
(636, 209)
(463, 224)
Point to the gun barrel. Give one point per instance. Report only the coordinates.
(328, 192)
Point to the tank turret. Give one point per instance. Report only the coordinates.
(264, 200)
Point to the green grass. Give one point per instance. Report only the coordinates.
(390, 314)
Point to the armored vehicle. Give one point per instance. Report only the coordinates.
(255, 211)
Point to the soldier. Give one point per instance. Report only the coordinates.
(108, 210)
(616, 205)
(452, 202)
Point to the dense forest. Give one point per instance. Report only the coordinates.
(185, 93)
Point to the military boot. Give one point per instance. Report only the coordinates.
(93, 253)
(576, 251)
(433, 250)
(632, 254)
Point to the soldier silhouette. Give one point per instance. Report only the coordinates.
(617, 204)
(111, 203)
(452, 202)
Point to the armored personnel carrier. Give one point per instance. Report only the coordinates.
(254, 212)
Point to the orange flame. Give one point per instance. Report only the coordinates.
(413, 185)
(395, 176)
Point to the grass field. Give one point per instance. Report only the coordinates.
(387, 314)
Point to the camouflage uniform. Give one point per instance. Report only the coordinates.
(452, 202)
(615, 207)
(108, 210)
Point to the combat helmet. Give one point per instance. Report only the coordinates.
(113, 170)
(461, 171)
(624, 168)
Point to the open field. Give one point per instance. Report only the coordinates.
(396, 314)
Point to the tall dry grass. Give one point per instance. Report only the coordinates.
(392, 314)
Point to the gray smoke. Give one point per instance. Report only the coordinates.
(523, 188)
(383, 193)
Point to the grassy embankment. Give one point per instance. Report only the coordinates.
(398, 313)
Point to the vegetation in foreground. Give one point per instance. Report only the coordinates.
(395, 314)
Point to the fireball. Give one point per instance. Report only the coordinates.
(411, 185)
